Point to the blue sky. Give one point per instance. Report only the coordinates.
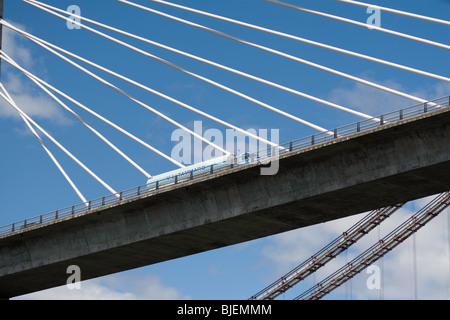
(31, 185)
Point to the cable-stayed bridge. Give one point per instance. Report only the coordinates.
(395, 157)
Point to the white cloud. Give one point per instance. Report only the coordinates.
(115, 287)
(31, 99)
(12, 44)
(375, 102)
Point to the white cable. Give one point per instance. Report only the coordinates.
(300, 39)
(8, 98)
(330, 104)
(361, 24)
(100, 117)
(98, 134)
(198, 76)
(342, 74)
(404, 13)
(152, 110)
(42, 7)
(9, 60)
(44, 44)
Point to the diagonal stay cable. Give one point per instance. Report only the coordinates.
(98, 134)
(308, 41)
(361, 24)
(9, 99)
(400, 12)
(265, 105)
(279, 53)
(46, 45)
(97, 115)
(160, 114)
(22, 113)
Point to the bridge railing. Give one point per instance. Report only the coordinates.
(368, 124)
(312, 140)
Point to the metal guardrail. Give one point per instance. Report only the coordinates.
(360, 126)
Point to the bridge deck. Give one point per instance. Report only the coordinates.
(383, 166)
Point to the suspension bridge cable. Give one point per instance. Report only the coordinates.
(288, 56)
(400, 12)
(184, 105)
(235, 92)
(8, 98)
(98, 134)
(22, 113)
(361, 24)
(214, 83)
(300, 39)
(330, 104)
(160, 114)
(193, 57)
(99, 116)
